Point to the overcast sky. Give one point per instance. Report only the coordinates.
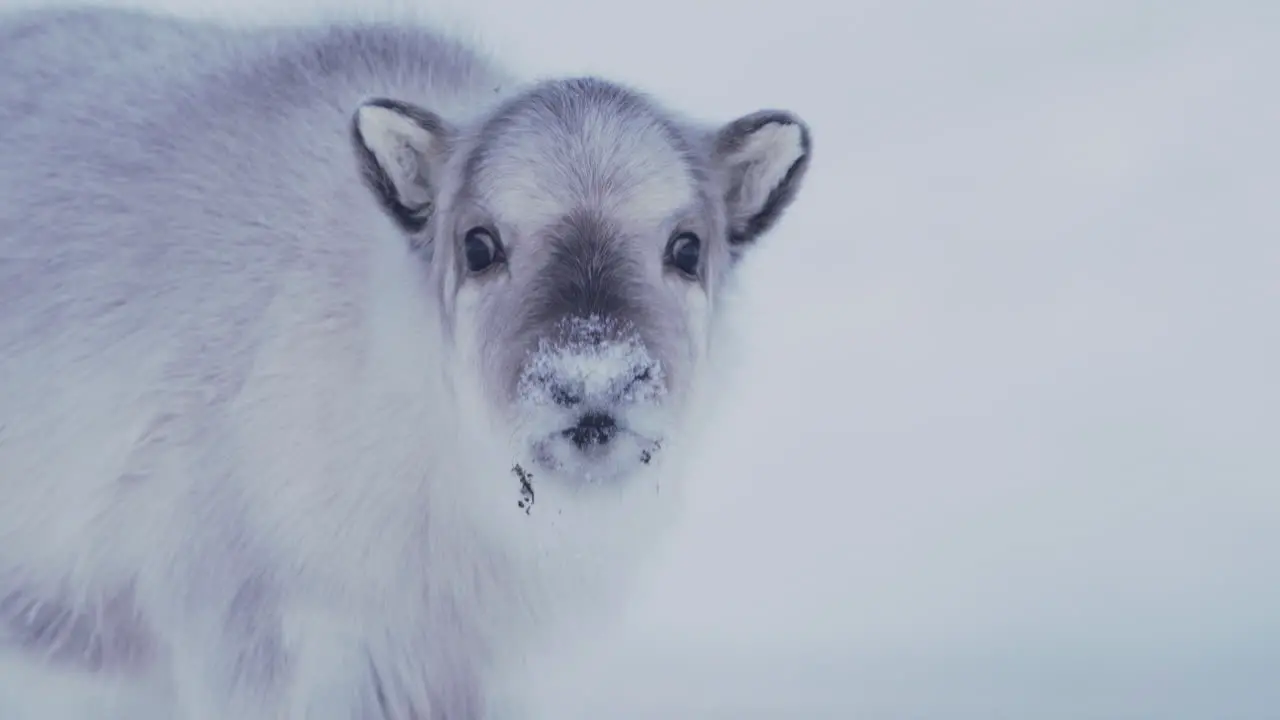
(1007, 436)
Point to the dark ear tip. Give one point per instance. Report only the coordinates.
(735, 133)
(382, 102)
(424, 118)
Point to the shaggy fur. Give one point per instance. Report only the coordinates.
(269, 441)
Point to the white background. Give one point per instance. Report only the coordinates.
(1007, 441)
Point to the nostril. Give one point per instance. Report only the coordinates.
(597, 420)
(639, 385)
(564, 396)
(592, 429)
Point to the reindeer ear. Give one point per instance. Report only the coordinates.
(764, 157)
(399, 146)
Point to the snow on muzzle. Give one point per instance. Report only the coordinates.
(593, 379)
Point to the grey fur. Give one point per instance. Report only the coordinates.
(255, 409)
(101, 635)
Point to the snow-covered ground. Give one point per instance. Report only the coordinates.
(1008, 441)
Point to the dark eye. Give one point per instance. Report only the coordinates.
(684, 252)
(481, 248)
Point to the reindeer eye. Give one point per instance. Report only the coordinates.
(684, 252)
(481, 248)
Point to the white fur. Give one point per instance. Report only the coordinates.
(251, 439)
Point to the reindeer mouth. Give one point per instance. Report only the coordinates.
(596, 446)
(593, 429)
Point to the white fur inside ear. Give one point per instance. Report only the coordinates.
(761, 162)
(400, 146)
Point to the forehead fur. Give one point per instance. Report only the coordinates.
(582, 144)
